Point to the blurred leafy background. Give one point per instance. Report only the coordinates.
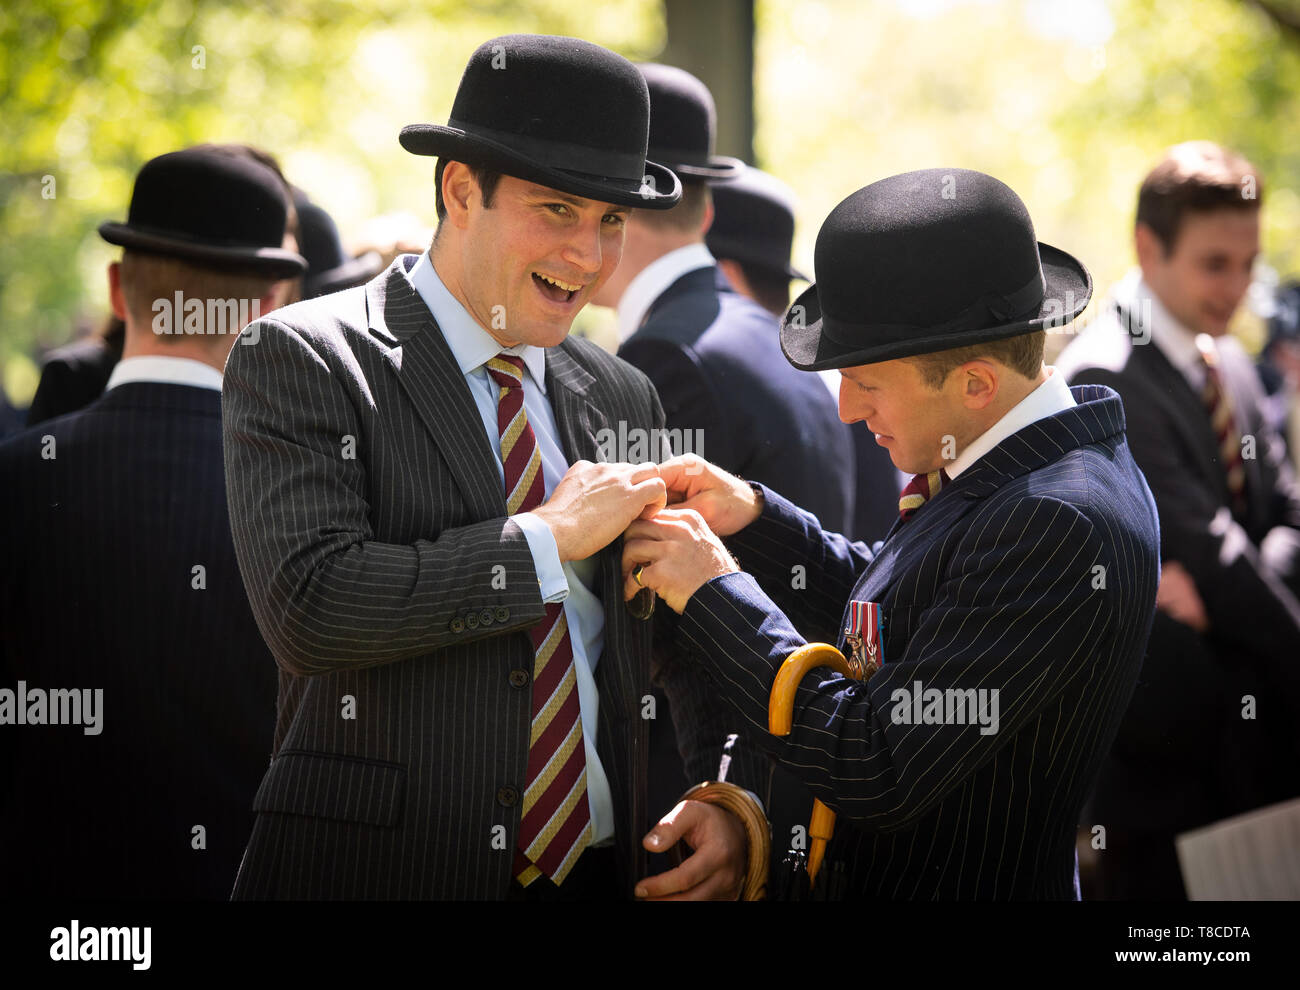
(1069, 101)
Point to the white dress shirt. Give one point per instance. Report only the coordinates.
(653, 280)
(570, 583)
(164, 370)
(1051, 397)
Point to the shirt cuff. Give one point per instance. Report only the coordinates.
(552, 583)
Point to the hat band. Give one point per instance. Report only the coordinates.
(562, 154)
(684, 156)
(1009, 308)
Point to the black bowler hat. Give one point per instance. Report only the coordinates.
(753, 223)
(328, 266)
(927, 261)
(683, 124)
(207, 205)
(557, 111)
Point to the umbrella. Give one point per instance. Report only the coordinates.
(799, 875)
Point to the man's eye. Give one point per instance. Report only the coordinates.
(615, 219)
(559, 209)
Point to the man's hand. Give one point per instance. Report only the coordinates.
(725, 502)
(716, 869)
(1176, 595)
(677, 553)
(593, 503)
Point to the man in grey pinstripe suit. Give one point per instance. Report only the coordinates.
(370, 522)
(1021, 575)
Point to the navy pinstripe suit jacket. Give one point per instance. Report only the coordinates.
(371, 531)
(98, 590)
(1033, 573)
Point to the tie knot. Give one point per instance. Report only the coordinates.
(507, 370)
(920, 490)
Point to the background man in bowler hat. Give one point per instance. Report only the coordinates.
(1228, 624)
(120, 573)
(712, 354)
(751, 238)
(434, 559)
(1023, 563)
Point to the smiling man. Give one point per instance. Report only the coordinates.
(1228, 625)
(432, 556)
(1023, 561)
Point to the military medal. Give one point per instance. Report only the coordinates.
(865, 639)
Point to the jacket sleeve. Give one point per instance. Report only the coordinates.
(327, 595)
(1019, 612)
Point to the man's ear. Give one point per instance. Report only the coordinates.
(457, 188)
(1150, 249)
(980, 380)
(116, 297)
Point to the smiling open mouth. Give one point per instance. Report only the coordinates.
(555, 289)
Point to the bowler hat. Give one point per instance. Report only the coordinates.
(927, 261)
(328, 266)
(209, 206)
(753, 223)
(557, 111)
(683, 125)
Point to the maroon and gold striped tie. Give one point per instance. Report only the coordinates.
(1226, 438)
(920, 490)
(556, 822)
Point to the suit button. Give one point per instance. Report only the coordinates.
(485, 617)
(471, 620)
(457, 625)
(507, 796)
(503, 613)
(518, 678)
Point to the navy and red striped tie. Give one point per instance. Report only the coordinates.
(1226, 438)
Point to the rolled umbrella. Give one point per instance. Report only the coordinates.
(780, 720)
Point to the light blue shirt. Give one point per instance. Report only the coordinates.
(570, 583)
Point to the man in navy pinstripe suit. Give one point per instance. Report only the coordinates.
(1021, 574)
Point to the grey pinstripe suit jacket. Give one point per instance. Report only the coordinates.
(371, 531)
(993, 584)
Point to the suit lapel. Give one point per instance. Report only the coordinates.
(1187, 411)
(433, 383)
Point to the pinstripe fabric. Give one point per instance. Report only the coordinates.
(98, 590)
(371, 530)
(992, 584)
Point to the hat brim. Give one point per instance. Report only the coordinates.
(353, 272)
(808, 348)
(719, 168)
(275, 263)
(453, 143)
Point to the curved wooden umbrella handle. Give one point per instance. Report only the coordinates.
(780, 706)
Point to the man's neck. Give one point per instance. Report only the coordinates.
(142, 343)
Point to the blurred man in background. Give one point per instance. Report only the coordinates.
(121, 584)
(1192, 748)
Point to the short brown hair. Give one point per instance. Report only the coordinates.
(1022, 353)
(686, 216)
(147, 278)
(1195, 176)
(486, 178)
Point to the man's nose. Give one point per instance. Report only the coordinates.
(584, 250)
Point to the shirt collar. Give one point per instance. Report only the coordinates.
(470, 344)
(653, 280)
(1174, 340)
(164, 370)
(1051, 397)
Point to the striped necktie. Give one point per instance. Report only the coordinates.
(1226, 438)
(920, 490)
(556, 821)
